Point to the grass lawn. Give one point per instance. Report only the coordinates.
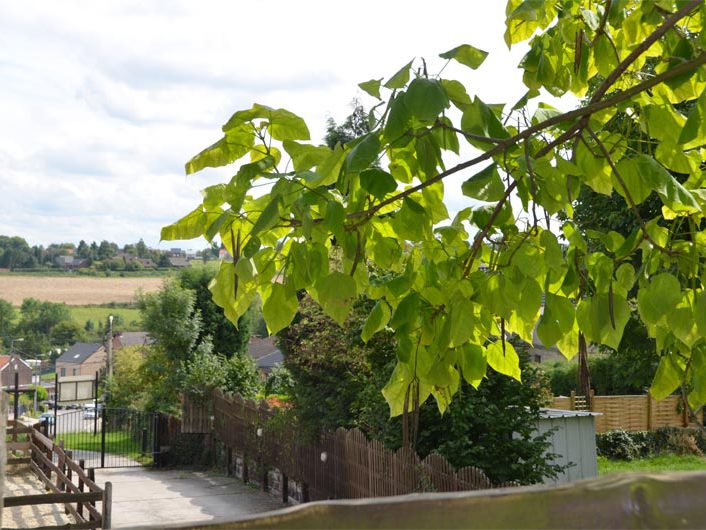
(129, 315)
(116, 443)
(652, 464)
(47, 377)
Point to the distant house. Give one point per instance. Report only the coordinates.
(9, 364)
(70, 263)
(147, 263)
(83, 358)
(178, 262)
(265, 354)
(131, 338)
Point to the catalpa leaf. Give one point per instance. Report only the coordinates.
(466, 55)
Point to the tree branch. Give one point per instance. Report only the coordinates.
(560, 118)
(669, 23)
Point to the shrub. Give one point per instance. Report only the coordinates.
(617, 445)
(622, 445)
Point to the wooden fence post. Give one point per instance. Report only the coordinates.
(285, 488)
(107, 508)
(572, 402)
(79, 507)
(92, 476)
(649, 412)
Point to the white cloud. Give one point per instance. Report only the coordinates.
(102, 103)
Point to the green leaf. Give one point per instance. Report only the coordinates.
(234, 145)
(305, 156)
(426, 98)
(594, 318)
(479, 118)
(700, 312)
(377, 182)
(557, 319)
(506, 362)
(188, 227)
(466, 55)
(658, 298)
(642, 174)
(667, 378)
(406, 312)
(695, 126)
(456, 92)
(485, 185)
(460, 319)
(330, 168)
(398, 121)
(471, 359)
(363, 154)
(372, 87)
(376, 321)
(336, 293)
(268, 218)
(399, 80)
(282, 124)
(222, 288)
(279, 308)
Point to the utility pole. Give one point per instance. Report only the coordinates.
(110, 346)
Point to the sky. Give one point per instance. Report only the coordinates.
(102, 103)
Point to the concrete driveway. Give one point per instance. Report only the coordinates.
(152, 497)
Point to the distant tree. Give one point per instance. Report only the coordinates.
(83, 250)
(7, 322)
(141, 249)
(226, 338)
(106, 250)
(66, 333)
(354, 126)
(163, 261)
(16, 253)
(128, 386)
(169, 317)
(37, 322)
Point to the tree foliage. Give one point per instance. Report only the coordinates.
(454, 283)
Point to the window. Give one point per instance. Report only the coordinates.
(74, 373)
(537, 358)
(63, 372)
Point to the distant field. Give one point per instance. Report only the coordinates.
(100, 314)
(74, 290)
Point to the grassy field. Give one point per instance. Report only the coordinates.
(129, 315)
(652, 464)
(75, 290)
(116, 443)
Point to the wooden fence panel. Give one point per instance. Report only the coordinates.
(339, 465)
(633, 413)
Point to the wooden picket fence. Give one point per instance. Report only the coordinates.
(630, 413)
(340, 465)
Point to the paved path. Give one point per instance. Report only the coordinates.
(21, 481)
(151, 497)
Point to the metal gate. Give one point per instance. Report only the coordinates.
(108, 437)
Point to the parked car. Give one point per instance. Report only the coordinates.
(89, 411)
(47, 417)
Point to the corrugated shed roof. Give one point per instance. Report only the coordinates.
(560, 413)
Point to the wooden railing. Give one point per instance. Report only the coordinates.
(68, 481)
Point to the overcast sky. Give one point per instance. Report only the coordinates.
(103, 102)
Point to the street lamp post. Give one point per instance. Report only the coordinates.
(14, 365)
(110, 346)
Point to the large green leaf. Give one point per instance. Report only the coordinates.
(363, 154)
(399, 80)
(557, 319)
(336, 293)
(279, 308)
(282, 124)
(485, 185)
(479, 118)
(667, 378)
(372, 87)
(602, 318)
(376, 321)
(234, 145)
(505, 362)
(426, 98)
(660, 297)
(471, 359)
(466, 55)
(377, 182)
(188, 227)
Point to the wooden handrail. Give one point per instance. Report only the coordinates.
(52, 498)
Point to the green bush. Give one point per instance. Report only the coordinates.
(622, 445)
